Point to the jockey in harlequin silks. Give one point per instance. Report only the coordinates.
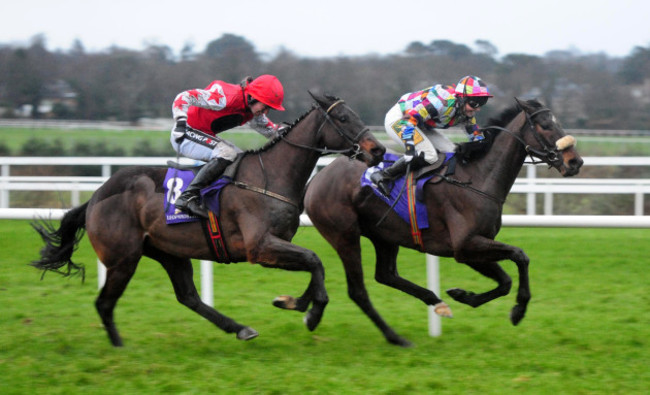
(201, 114)
(414, 119)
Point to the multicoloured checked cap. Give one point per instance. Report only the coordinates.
(472, 86)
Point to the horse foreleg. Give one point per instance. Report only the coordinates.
(491, 270)
(180, 273)
(277, 253)
(386, 273)
(480, 253)
(349, 250)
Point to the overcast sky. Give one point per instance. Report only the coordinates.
(333, 27)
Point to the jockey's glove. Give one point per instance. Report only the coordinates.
(180, 129)
(410, 151)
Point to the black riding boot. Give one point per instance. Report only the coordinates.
(383, 177)
(190, 200)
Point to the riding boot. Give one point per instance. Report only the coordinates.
(190, 200)
(382, 178)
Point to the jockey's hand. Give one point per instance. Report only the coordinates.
(180, 129)
(410, 151)
(476, 136)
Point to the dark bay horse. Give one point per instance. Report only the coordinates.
(464, 214)
(124, 219)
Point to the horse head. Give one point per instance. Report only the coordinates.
(346, 131)
(547, 141)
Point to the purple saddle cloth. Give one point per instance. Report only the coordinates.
(402, 207)
(176, 181)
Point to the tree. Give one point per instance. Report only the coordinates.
(232, 57)
(636, 68)
(448, 48)
(486, 48)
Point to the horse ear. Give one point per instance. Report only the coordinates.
(523, 104)
(321, 100)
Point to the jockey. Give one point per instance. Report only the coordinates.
(201, 114)
(412, 122)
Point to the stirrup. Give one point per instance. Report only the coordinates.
(192, 205)
(381, 182)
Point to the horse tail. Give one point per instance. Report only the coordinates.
(61, 243)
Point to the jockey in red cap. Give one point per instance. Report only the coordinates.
(201, 114)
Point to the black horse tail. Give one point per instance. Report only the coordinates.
(61, 243)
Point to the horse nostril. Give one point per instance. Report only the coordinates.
(576, 163)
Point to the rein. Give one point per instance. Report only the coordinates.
(355, 148)
(546, 155)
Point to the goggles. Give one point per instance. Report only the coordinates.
(478, 101)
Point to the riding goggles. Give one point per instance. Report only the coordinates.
(476, 102)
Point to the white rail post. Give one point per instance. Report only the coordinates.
(531, 174)
(101, 274)
(4, 193)
(433, 283)
(207, 295)
(638, 203)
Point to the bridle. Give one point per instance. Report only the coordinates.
(354, 151)
(355, 148)
(549, 153)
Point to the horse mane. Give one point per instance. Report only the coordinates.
(510, 113)
(286, 130)
(473, 150)
(280, 135)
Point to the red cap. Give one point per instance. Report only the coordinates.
(268, 90)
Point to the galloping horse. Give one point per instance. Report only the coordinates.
(464, 214)
(125, 220)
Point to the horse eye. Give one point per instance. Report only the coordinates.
(344, 118)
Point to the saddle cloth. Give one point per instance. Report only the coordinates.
(176, 181)
(410, 205)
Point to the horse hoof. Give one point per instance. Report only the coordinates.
(247, 333)
(517, 314)
(400, 341)
(311, 320)
(443, 310)
(285, 302)
(457, 294)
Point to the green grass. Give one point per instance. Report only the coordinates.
(15, 138)
(586, 331)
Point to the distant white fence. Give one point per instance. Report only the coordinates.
(531, 185)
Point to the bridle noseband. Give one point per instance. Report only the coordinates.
(354, 150)
(548, 154)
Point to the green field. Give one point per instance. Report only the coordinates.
(158, 140)
(127, 140)
(586, 331)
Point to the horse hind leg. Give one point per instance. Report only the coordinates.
(117, 278)
(180, 273)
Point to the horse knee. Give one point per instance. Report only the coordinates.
(384, 278)
(189, 300)
(505, 285)
(357, 295)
